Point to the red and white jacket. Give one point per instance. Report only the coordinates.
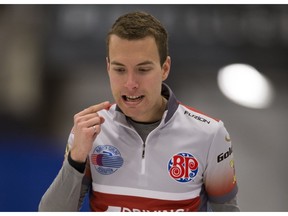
(185, 162)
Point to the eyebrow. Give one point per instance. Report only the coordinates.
(140, 64)
(145, 63)
(117, 63)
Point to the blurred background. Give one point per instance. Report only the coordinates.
(52, 65)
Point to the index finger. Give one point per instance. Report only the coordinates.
(96, 108)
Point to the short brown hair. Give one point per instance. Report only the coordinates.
(138, 25)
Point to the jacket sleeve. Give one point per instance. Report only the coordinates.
(229, 206)
(220, 178)
(67, 191)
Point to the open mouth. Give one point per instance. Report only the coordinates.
(132, 98)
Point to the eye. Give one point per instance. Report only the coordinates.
(119, 69)
(144, 69)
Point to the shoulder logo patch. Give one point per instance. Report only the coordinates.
(183, 167)
(106, 159)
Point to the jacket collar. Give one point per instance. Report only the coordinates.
(172, 103)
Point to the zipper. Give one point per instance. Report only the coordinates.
(143, 150)
(143, 164)
(143, 159)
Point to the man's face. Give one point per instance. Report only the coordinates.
(136, 76)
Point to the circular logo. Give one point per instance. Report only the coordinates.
(106, 159)
(183, 167)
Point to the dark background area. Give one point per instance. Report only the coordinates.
(52, 65)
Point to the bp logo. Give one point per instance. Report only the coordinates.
(106, 159)
(183, 167)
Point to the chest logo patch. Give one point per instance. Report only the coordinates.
(106, 159)
(183, 167)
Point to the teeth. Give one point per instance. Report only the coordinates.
(133, 97)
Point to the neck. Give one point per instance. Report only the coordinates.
(157, 115)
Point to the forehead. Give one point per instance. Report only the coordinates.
(124, 48)
(130, 43)
(133, 51)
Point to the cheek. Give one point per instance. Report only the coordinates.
(153, 88)
(154, 82)
(114, 84)
(116, 80)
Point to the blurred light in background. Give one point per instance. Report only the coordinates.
(246, 86)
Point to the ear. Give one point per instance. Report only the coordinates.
(166, 68)
(107, 64)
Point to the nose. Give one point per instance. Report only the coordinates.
(131, 81)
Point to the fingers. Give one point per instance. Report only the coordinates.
(89, 117)
(97, 127)
(95, 108)
(97, 120)
(90, 123)
(78, 118)
(87, 126)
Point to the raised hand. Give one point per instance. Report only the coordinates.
(87, 125)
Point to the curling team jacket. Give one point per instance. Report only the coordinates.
(185, 163)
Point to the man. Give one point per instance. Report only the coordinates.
(148, 152)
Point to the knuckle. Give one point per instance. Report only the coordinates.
(76, 121)
(91, 109)
(76, 117)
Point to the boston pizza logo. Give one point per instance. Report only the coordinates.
(106, 159)
(183, 167)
